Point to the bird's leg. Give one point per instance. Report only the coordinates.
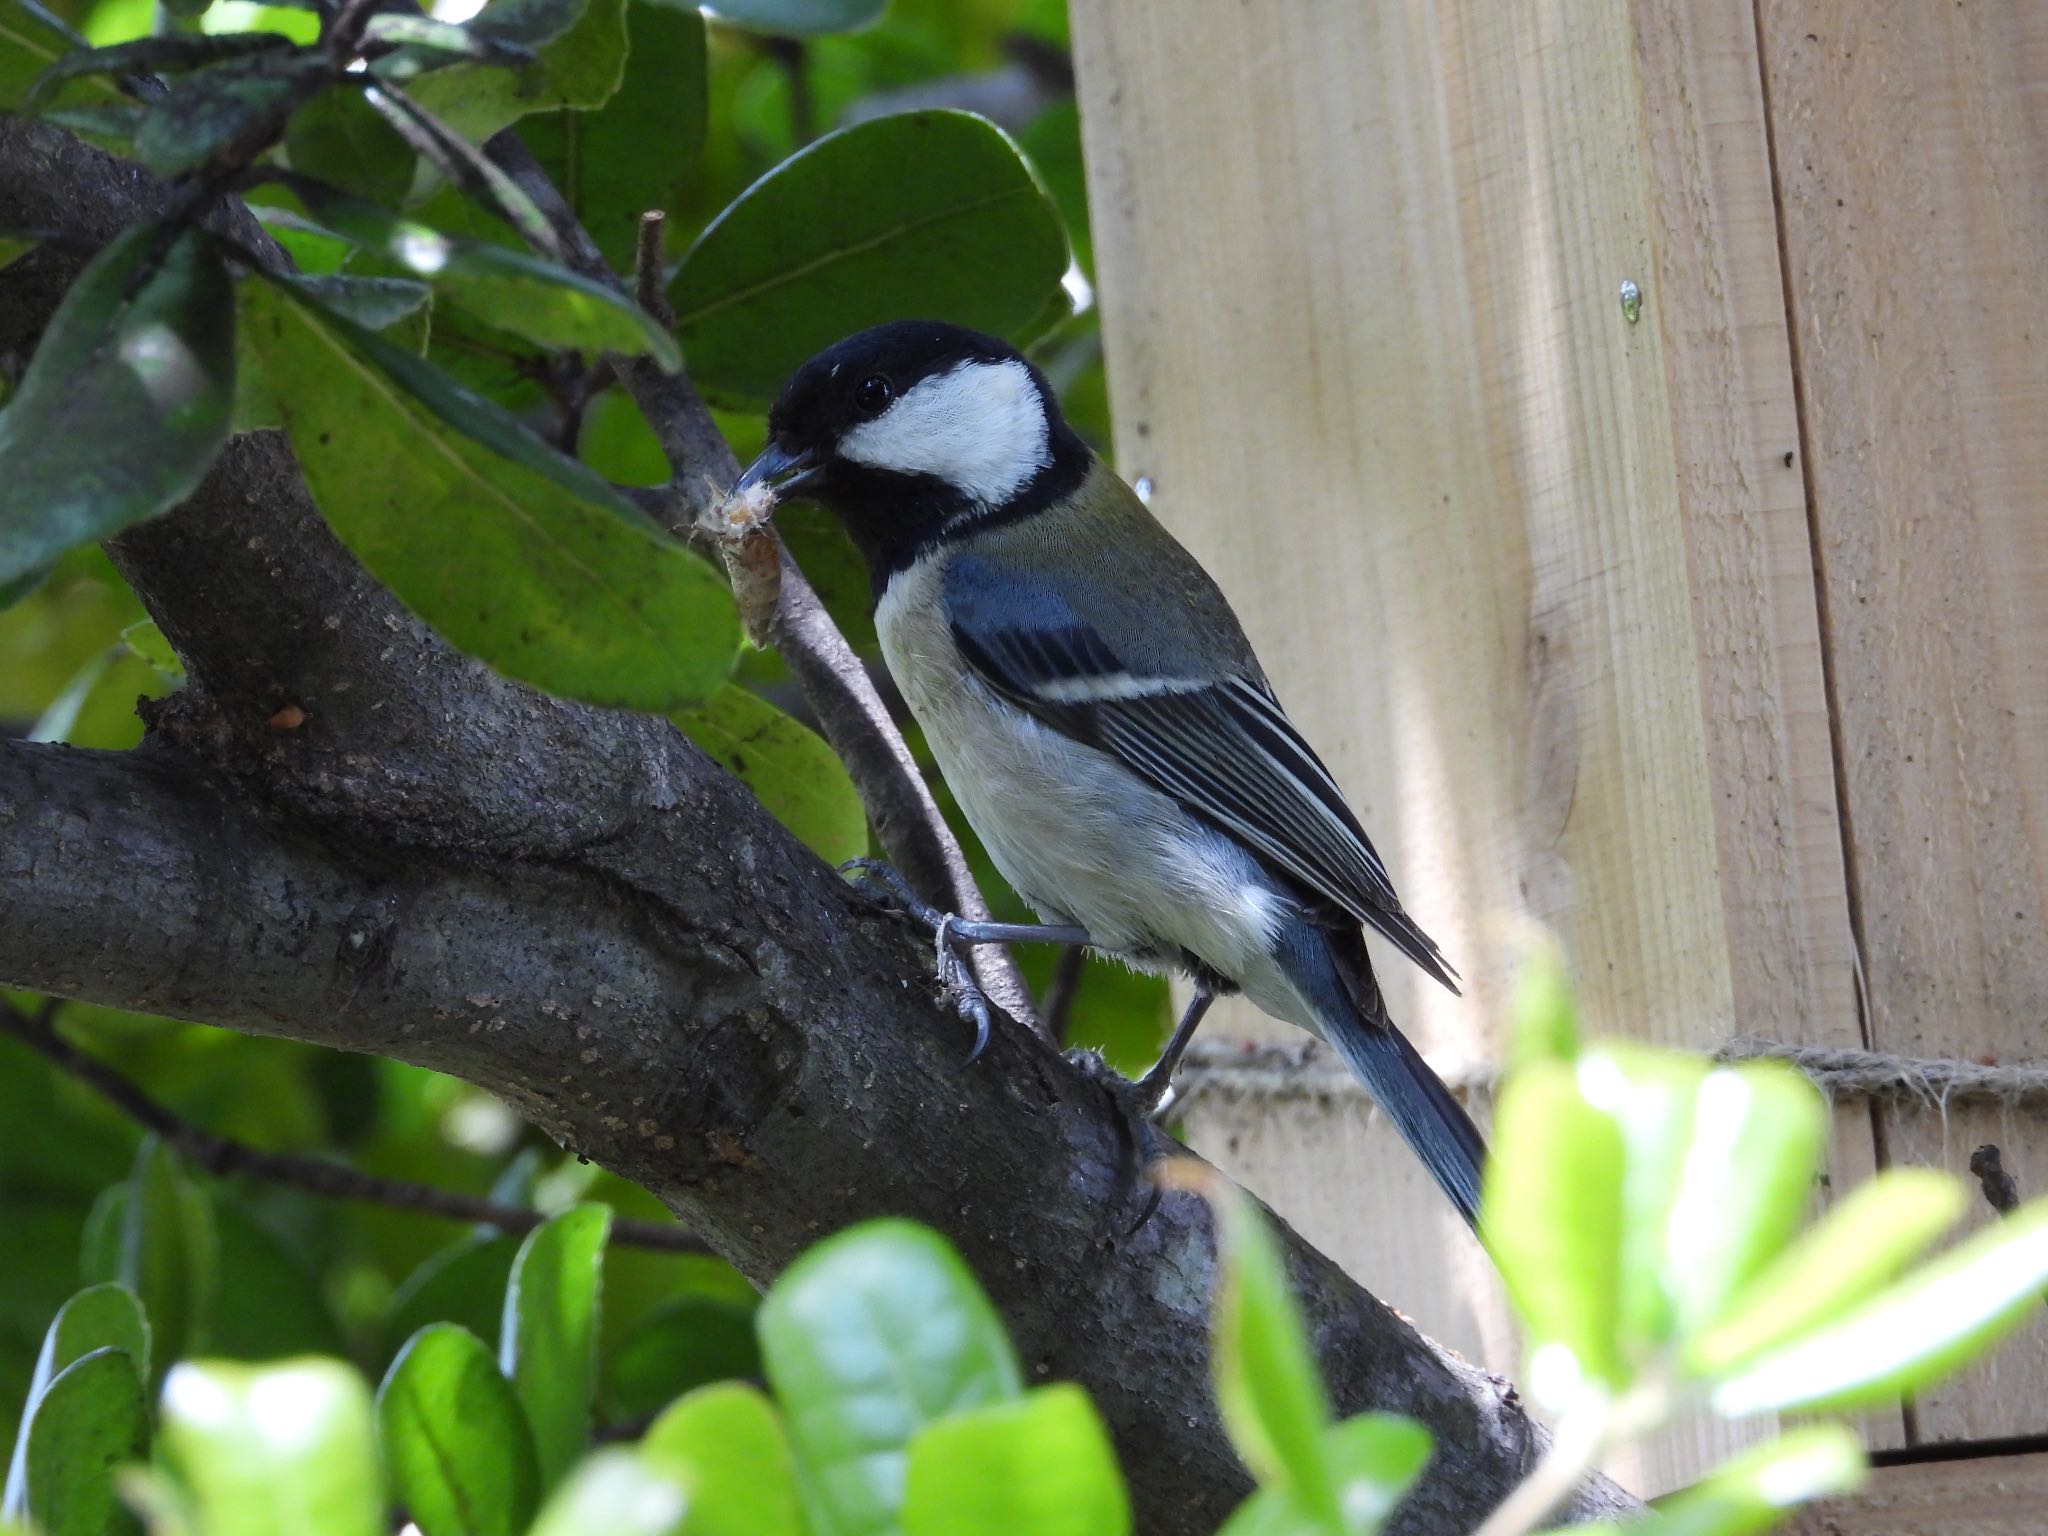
(952, 933)
(1154, 1091)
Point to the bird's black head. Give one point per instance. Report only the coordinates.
(917, 429)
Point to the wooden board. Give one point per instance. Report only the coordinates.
(1533, 577)
(1977, 1496)
(1912, 153)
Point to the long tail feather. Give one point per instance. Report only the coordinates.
(1425, 1111)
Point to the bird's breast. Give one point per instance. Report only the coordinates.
(1079, 835)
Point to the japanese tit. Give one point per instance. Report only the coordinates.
(1096, 708)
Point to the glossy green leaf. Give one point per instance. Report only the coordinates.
(106, 1316)
(515, 553)
(868, 1337)
(147, 643)
(787, 765)
(727, 1447)
(155, 1235)
(1653, 1096)
(548, 1344)
(144, 55)
(340, 139)
(1860, 1244)
(125, 402)
(274, 1450)
(1375, 1459)
(509, 289)
(1748, 1176)
(224, 107)
(1551, 1217)
(30, 44)
(579, 69)
(444, 37)
(91, 1422)
(1914, 1332)
(799, 18)
(949, 225)
(687, 1343)
(615, 1493)
(455, 1438)
(463, 1283)
(371, 302)
(1267, 1384)
(1040, 1466)
(527, 23)
(475, 174)
(616, 162)
(1755, 1491)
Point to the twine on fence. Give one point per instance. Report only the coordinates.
(1247, 1069)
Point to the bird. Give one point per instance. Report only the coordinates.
(1093, 703)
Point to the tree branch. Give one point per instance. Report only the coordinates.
(224, 1157)
(782, 610)
(574, 909)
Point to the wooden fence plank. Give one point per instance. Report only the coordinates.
(1532, 576)
(1976, 1496)
(1912, 153)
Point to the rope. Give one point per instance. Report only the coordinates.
(1248, 1069)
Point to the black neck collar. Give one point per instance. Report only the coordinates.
(895, 519)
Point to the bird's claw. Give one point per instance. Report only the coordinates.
(957, 981)
(1143, 1098)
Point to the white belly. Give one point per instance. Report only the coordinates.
(1081, 838)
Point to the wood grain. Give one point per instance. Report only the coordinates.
(1911, 141)
(1979, 1496)
(1534, 578)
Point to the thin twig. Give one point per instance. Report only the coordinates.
(788, 614)
(223, 1157)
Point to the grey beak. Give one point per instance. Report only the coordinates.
(778, 469)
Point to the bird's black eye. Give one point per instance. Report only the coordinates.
(873, 395)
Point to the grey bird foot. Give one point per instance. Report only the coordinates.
(953, 936)
(1150, 1097)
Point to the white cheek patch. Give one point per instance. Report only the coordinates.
(980, 427)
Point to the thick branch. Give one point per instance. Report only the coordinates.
(574, 909)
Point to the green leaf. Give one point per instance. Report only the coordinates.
(1941, 1316)
(275, 1450)
(1551, 1217)
(871, 1335)
(1859, 1245)
(615, 1493)
(510, 289)
(1653, 1096)
(798, 18)
(371, 302)
(548, 1345)
(444, 37)
(787, 765)
(456, 1440)
(99, 1317)
(689, 1342)
(1040, 1466)
(1267, 1385)
(727, 1447)
(156, 1236)
(475, 174)
(340, 139)
(125, 402)
(93, 1420)
(515, 553)
(224, 108)
(950, 225)
(1757, 1136)
(147, 643)
(1375, 1459)
(622, 159)
(31, 43)
(1754, 1492)
(1543, 1015)
(578, 69)
(267, 1303)
(462, 1283)
(146, 55)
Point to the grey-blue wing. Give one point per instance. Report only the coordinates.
(1219, 746)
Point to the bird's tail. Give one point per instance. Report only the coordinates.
(1424, 1110)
